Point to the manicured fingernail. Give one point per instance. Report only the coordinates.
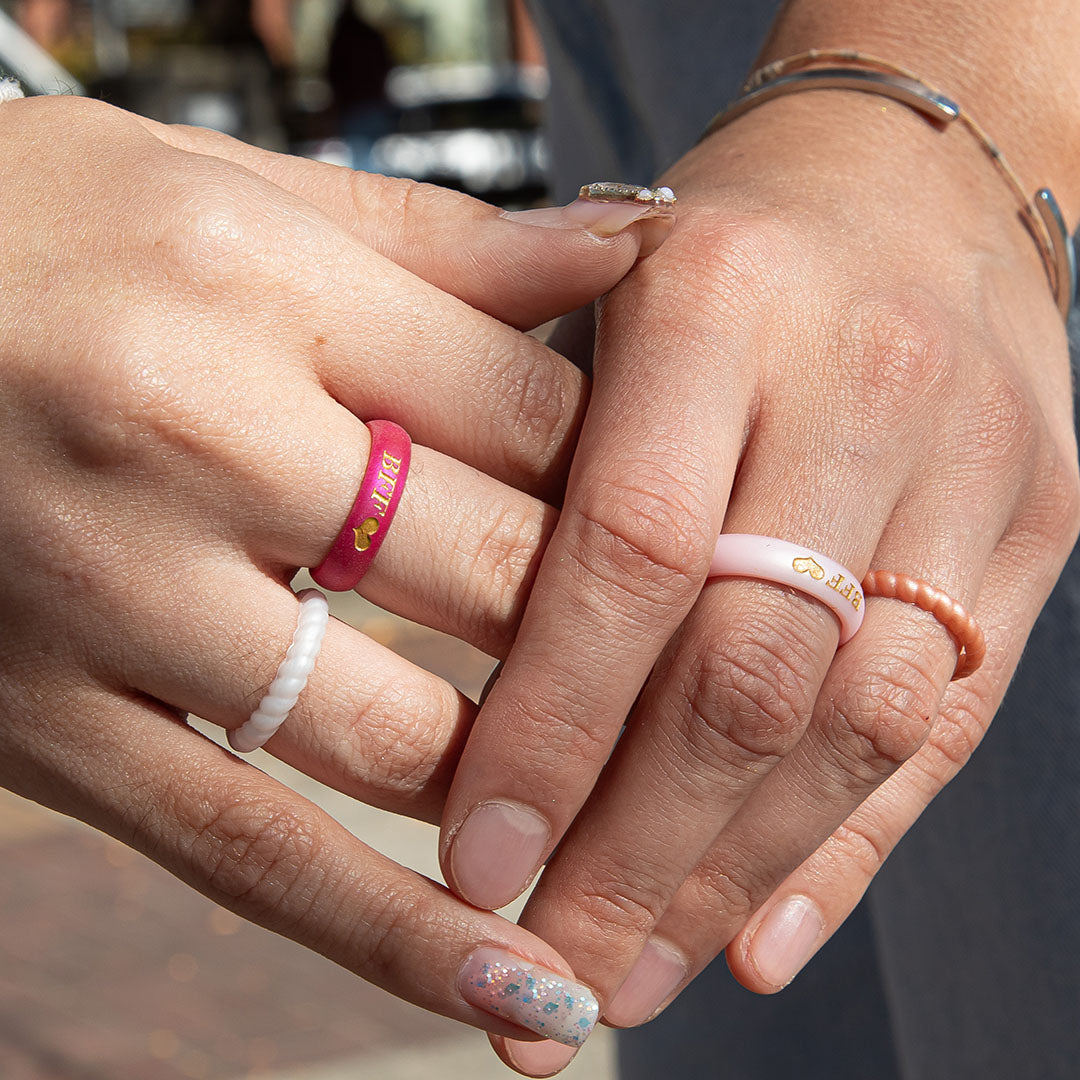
(652, 980)
(604, 210)
(787, 937)
(496, 853)
(539, 1058)
(549, 1004)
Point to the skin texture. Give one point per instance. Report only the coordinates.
(834, 344)
(849, 341)
(193, 329)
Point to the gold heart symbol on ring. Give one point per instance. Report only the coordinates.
(806, 565)
(364, 532)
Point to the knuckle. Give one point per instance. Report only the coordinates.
(396, 742)
(750, 258)
(753, 693)
(1008, 426)
(503, 551)
(956, 733)
(1053, 505)
(537, 398)
(719, 891)
(206, 231)
(616, 905)
(646, 533)
(561, 729)
(258, 858)
(386, 935)
(850, 846)
(399, 206)
(898, 358)
(879, 722)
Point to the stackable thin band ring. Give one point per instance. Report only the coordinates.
(292, 675)
(779, 561)
(356, 546)
(965, 631)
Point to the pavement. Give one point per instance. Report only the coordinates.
(111, 969)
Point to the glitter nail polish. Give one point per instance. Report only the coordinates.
(525, 993)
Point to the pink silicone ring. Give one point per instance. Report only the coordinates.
(769, 559)
(369, 520)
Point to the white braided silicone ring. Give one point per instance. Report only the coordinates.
(292, 675)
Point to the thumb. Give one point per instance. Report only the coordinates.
(523, 268)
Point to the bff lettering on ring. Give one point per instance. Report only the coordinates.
(770, 559)
(373, 510)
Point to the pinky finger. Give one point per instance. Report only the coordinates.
(793, 919)
(817, 898)
(258, 848)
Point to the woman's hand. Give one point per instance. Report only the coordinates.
(190, 332)
(848, 342)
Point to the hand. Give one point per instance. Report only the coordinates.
(848, 342)
(190, 330)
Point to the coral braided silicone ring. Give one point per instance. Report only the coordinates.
(368, 522)
(770, 559)
(965, 631)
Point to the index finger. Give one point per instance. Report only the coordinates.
(626, 562)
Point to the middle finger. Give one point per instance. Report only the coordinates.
(732, 695)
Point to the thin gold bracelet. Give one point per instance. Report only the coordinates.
(846, 69)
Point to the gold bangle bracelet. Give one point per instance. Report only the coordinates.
(846, 69)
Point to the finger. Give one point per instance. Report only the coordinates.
(623, 567)
(256, 847)
(814, 901)
(459, 555)
(251, 290)
(523, 270)
(798, 912)
(380, 340)
(731, 696)
(367, 723)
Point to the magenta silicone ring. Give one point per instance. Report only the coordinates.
(769, 559)
(368, 522)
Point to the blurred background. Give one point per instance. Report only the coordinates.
(109, 968)
(449, 91)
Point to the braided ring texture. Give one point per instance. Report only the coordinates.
(965, 631)
(312, 617)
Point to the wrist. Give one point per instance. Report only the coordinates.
(871, 182)
(1014, 67)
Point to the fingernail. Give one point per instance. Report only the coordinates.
(654, 232)
(539, 1058)
(493, 678)
(546, 1003)
(606, 211)
(497, 852)
(652, 980)
(787, 937)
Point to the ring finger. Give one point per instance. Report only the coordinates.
(258, 848)
(874, 712)
(730, 698)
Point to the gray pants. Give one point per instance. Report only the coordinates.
(962, 961)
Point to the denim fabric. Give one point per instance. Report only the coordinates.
(962, 962)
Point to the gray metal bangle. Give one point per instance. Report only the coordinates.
(1041, 214)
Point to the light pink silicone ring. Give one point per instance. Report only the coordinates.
(769, 559)
(368, 522)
